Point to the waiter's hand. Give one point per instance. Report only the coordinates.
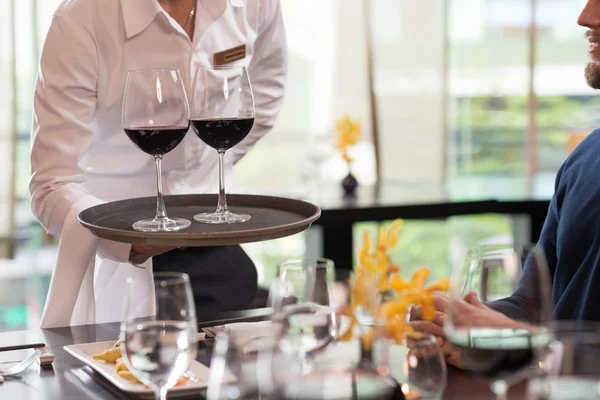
(140, 253)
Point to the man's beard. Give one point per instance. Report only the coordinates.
(592, 75)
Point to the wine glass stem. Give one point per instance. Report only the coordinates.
(500, 389)
(306, 366)
(161, 393)
(222, 203)
(161, 212)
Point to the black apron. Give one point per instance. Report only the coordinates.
(223, 278)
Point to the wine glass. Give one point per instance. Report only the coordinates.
(417, 364)
(490, 343)
(233, 372)
(305, 317)
(156, 119)
(222, 114)
(568, 362)
(307, 361)
(158, 350)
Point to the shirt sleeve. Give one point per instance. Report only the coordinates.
(64, 121)
(267, 71)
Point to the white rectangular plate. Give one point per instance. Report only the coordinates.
(83, 352)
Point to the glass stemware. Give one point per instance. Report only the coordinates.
(491, 343)
(222, 115)
(233, 372)
(156, 119)
(307, 360)
(158, 350)
(303, 310)
(568, 363)
(417, 364)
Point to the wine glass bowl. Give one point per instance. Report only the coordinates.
(303, 310)
(568, 362)
(159, 349)
(499, 345)
(222, 115)
(156, 119)
(233, 372)
(417, 364)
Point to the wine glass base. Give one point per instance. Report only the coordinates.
(225, 217)
(161, 225)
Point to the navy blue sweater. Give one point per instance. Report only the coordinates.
(570, 239)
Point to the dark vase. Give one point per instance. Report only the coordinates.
(349, 184)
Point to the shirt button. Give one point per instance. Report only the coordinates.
(177, 186)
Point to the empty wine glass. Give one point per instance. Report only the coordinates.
(303, 312)
(307, 361)
(158, 350)
(417, 364)
(222, 115)
(494, 344)
(156, 119)
(568, 362)
(233, 372)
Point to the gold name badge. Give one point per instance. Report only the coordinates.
(230, 55)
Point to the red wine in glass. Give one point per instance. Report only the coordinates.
(157, 140)
(155, 117)
(223, 133)
(222, 114)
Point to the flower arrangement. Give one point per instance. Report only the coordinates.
(379, 288)
(349, 133)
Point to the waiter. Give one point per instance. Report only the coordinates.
(81, 157)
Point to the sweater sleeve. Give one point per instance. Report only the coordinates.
(522, 304)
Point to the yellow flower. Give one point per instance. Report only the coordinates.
(349, 133)
(376, 276)
(397, 329)
(417, 283)
(417, 292)
(388, 239)
(364, 253)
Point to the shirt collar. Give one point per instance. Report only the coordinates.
(138, 14)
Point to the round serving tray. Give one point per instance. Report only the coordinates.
(272, 218)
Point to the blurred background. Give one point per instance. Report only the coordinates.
(446, 91)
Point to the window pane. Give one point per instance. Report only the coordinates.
(488, 86)
(408, 68)
(427, 243)
(326, 79)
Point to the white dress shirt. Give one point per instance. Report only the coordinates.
(80, 155)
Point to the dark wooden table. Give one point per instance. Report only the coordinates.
(517, 196)
(70, 379)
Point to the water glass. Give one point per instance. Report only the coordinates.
(417, 364)
(159, 349)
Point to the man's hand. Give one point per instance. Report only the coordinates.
(140, 253)
(436, 328)
(469, 312)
